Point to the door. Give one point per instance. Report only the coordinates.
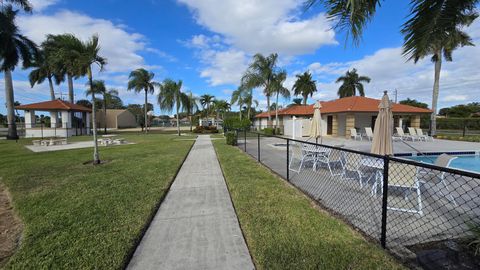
(329, 124)
(374, 118)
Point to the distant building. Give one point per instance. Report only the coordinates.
(116, 119)
(339, 116)
(66, 119)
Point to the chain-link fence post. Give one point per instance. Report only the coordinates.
(383, 236)
(464, 127)
(258, 147)
(288, 158)
(245, 141)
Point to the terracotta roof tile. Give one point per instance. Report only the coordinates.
(54, 105)
(348, 104)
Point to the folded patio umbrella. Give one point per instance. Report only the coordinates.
(382, 135)
(316, 125)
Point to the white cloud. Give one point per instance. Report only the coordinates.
(455, 98)
(117, 45)
(263, 26)
(40, 5)
(225, 67)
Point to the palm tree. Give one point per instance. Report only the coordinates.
(23, 4)
(44, 70)
(14, 46)
(296, 101)
(238, 98)
(190, 106)
(304, 86)
(64, 52)
(260, 74)
(250, 102)
(142, 80)
(171, 96)
(206, 101)
(100, 89)
(89, 56)
(280, 90)
(221, 106)
(351, 82)
(433, 28)
(436, 29)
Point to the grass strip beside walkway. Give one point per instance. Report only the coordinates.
(283, 228)
(79, 216)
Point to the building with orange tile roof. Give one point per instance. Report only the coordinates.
(340, 115)
(66, 119)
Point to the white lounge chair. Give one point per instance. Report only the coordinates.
(353, 164)
(423, 135)
(369, 132)
(354, 134)
(405, 176)
(329, 157)
(403, 135)
(413, 133)
(303, 153)
(443, 161)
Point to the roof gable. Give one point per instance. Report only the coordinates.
(54, 105)
(347, 104)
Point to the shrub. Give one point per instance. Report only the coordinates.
(202, 129)
(269, 131)
(231, 138)
(235, 123)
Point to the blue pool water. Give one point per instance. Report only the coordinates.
(469, 163)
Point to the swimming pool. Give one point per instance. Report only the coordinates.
(467, 162)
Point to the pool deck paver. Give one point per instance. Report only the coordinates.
(196, 226)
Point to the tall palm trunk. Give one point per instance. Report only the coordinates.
(52, 91)
(240, 111)
(268, 110)
(177, 103)
(96, 156)
(104, 114)
(70, 87)
(276, 112)
(248, 110)
(145, 109)
(436, 88)
(191, 123)
(305, 100)
(12, 127)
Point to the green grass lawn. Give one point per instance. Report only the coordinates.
(284, 229)
(80, 216)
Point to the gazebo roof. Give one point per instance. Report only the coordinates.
(54, 105)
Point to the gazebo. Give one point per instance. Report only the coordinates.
(66, 119)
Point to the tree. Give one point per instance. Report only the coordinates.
(44, 70)
(220, 106)
(113, 101)
(64, 53)
(296, 101)
(304, 86)
(84, 103)
(206, 102)
(238, 98)
(414, 103)
(23, 4)
(260, 74)
(351, 82)
(190, 106)
(142, 80)
(88, 56)
(170, 97)
(100, 89)
(14, 46)
(279, 90)
(436, 29)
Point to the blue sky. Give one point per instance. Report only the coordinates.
(209, 43)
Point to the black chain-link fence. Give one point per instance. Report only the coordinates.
(406, 206)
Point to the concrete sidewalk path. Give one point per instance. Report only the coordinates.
(196, 226)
